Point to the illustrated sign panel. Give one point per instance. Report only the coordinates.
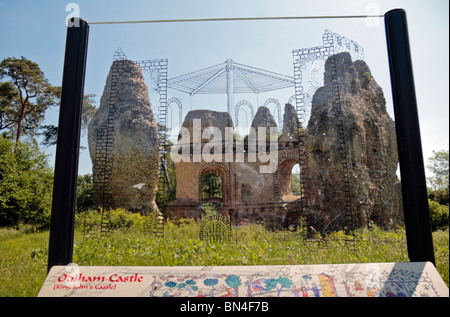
(331, 280)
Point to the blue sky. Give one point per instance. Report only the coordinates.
(36, 30)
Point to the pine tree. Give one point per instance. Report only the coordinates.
(25, 97)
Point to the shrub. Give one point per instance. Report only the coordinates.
(439, 215)
(118, 219)
(26, 185)
(85, 192)
(121, 218)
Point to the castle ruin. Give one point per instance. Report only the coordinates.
(346, 151)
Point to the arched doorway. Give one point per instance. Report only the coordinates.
(212, 191)
(289, 179)
(296, 181)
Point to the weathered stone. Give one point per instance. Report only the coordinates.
(263, 118)
(352, 149)
(208, 118)
(246, 193)
(290, 124)
(347, 156)
(123, 142)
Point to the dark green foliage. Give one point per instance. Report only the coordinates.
(26, 185)
(438, 189)
(211, 186)
(85, 193)
(439, 215)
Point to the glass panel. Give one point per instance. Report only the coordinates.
(273, 139)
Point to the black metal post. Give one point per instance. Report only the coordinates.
(60, 250)
(414, 190)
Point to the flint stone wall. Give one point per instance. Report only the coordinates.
(123, 142)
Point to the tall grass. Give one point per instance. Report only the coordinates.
(23, 253)
(252, 245)
(23, 267)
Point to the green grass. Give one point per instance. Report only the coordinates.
(440, 240)
(23, 255)
(22, 262)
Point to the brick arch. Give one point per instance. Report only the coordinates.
(293, 218)
(220, 170)
(282, 176)
(290, 155)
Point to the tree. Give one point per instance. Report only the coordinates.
(25, 97)
(211, 186)
(50, 132)
(26, 184)
(438, 165)
(296, 181)
(439, 182)
(439, 215)
(85, 192)
(7, 113)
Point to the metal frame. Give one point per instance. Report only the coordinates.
(415, 203)
(62, 226)
(230, 78)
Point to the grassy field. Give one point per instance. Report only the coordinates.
(23, 253)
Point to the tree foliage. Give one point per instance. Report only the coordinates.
(439, 215)
(438, 164)
(24, 96)
(211, 186)
(50, 132)
(296, 181)
(438, 192)
(26, 184)
(85, 193)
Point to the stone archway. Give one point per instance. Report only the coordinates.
(293, 220)
(283, 177)
(214, 184)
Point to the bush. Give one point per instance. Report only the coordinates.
(85, 193)
(439, 215)
(440, 195)
(121, 218)
(118, 219)
(26, 185)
